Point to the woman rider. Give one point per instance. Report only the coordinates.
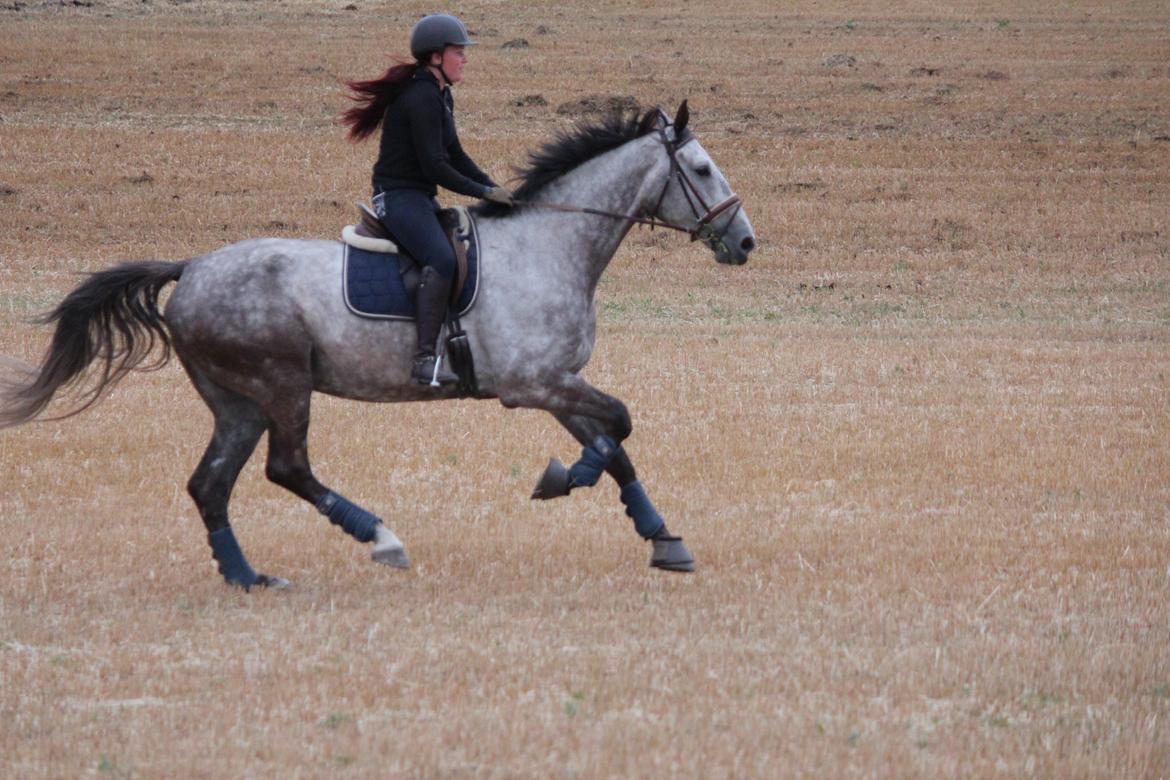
(420, 151)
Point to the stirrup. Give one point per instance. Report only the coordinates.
(429, 371)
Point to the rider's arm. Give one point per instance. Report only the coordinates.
(426, 131)
(467, 166)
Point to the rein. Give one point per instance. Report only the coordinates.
(702, 229)
(651, 221)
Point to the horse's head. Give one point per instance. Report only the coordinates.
(696, 194)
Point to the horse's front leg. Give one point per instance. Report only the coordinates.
(669, 551)
(604, 422)
(601, 422)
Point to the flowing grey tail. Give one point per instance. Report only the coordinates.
(112, 318)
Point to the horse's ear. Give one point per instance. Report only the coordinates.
(681, 119)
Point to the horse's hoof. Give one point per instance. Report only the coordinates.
(672, 555)
(554, 483)
(394, 557)
(271, 583)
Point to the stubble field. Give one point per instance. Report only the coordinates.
(919, 444)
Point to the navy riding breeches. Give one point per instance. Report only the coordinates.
(412, 216)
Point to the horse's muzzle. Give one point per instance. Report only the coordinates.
(728, 252)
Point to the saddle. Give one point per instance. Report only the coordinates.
(380, 280)
(372, 235)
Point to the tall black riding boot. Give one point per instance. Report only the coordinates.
(433, 292)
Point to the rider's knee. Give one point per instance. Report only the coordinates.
(443, 263)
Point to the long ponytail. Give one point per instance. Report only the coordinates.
(374, 96)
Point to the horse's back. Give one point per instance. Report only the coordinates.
(253, 290)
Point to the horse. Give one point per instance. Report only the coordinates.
(260, 325)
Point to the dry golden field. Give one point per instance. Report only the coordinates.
(919, 444)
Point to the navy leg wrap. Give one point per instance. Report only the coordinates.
(647, 521)
(354, 520)
(232, 564)
(594, 459)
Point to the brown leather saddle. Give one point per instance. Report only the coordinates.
(370, 226)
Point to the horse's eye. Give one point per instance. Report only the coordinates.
(703, 170)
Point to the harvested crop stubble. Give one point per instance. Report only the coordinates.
(918, 444)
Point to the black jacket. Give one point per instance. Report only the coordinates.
(420, 148)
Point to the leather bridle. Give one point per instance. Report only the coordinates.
(702, 230)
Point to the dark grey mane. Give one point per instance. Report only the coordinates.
(570, 148)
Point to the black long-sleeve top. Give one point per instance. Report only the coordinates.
(420, 148)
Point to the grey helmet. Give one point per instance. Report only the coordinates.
(435, 33)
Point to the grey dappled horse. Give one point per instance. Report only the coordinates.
(261, 324)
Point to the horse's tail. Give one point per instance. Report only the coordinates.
(112, 318)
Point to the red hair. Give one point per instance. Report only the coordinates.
(375, 96)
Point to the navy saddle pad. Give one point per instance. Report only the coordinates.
(373, 285)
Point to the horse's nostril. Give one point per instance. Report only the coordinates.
(748, 244)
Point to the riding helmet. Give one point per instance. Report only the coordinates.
(435, 33)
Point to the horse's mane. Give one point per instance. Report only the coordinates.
(570, 148)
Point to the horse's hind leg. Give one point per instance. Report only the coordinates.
(239, 422)
(669, 551)
(288, 466)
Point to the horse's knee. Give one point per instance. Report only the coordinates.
(570, 400)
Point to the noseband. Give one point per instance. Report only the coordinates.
(700, 231)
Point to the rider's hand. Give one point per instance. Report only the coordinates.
(499, 195)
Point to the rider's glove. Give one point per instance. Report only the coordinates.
(499, 195)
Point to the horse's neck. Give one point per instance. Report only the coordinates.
(616, 182)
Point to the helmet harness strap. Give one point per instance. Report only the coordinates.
(441, 52)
